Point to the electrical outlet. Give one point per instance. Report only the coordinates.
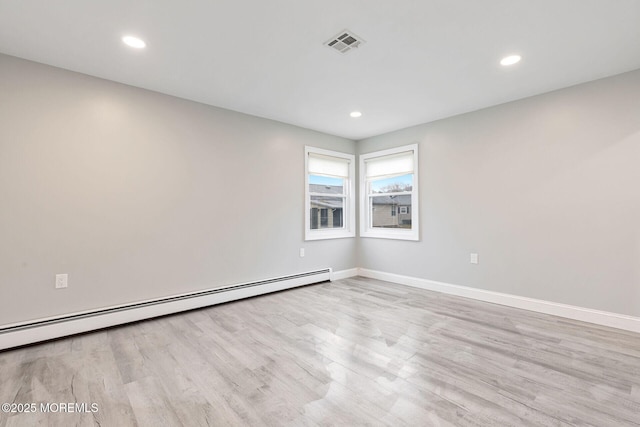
(62, 281)
(301, 252)
(473, 258)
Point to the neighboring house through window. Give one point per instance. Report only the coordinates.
(329, 194)
(389, 193)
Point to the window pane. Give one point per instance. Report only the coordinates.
(324, 218)
(325, 184)
(327, 212)
(390, 211)
(396, 184)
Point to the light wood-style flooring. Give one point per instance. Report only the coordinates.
(347, 353)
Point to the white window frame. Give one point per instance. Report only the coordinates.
(366, 229)
(349, 221)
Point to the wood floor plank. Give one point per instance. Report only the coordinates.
(352, 352)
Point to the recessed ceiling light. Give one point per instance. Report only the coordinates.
(355, 114)
(134, 42)
(510, 60)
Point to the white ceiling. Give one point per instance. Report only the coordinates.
(423, 59)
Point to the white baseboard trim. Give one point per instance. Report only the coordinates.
(604, 318)
(344, 274)
(30, 332)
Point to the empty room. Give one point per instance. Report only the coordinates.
(338, 213)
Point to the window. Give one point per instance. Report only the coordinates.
(389, 194)
(329, 194)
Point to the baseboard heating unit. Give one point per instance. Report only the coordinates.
(33, 331)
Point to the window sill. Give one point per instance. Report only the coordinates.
(328, 234)
(391, 234)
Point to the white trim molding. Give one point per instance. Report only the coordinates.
(598, 317)
(344, 274)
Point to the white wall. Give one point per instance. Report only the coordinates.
(138, 195)
(546, 190)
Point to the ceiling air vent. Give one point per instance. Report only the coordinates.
(344, 41)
